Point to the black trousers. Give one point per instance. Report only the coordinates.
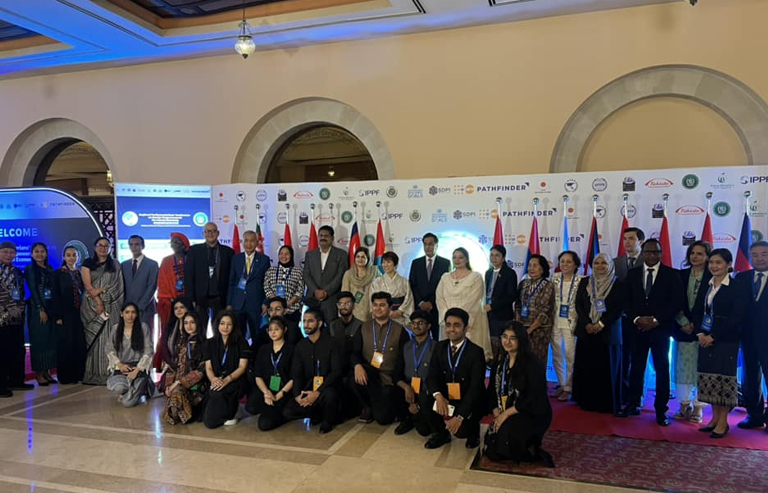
(420, 421)
(207, 309)
(470, 426)
(325, 408)
(249, 322)
(270, 417)
(384, 401)
(755, 367)
(221, 405)
(628, 335)
(658, 344)
(12, 356)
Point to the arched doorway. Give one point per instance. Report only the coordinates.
(322, 153)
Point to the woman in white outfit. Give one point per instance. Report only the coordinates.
(397, 286)
(566, 283)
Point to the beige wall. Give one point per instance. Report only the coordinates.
(484, 100)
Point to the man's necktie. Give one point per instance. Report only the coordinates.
(648, 283)
(758, 283)
(631, 262)
(247, 265)
(134, 268)
(429, 269)
(454, 350)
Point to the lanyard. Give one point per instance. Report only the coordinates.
(417, 362)
(189, 350)
(504, 371)
(594, 287)
(277, 362)
(458, 358)
(178, 269)
(215, 256)
(570, 290)
(76, 279)
(285, 277)
(317, 371)
(532, 294)
(224, 358)
(494, 277)
(386, 337)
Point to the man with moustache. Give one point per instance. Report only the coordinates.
(323, 272)
(417, 353)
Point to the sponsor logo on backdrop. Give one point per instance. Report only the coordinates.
(369, 240)
(529, 213)
(657, 212)
(433, 190)
(757, 235)
(343, 241)
(415, 215)
(628, 185)
(756, 210)
(130, 218)
(200, 218)
(261, 195)
(282, 217)
(659, 183)
(282, 196)
(303, 218)
(724, 238)
(690, 181)
(392, 215)
(571, 185)
(688, 238)
(599, 184)
(459, 215)
(303, 194)
(600, 211)
(225, 219)
(521, 239)
(412, 240)
(347, 217)
(543, 188)
(391, 192)
(631, 210)
(503, 188)
(324, 193)
(689, 210)
(324, 218)
(262, 218)
(655, 235)
(346, 193)
(303, 241)
(415, 192)
(745, 180)
(722, 209)
(240, 196)
(723, 183)
(439, 216)
(369, 217)
(483, 239)
(469, 189)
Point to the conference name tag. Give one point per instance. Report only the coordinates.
(15, 294)
(242, 283)
(504, 402)
(280, 290)
(600, 306)
(416, 384)
(377, 359)
(454, 391)
(47, 294)
(707, 322)
(525, 311)
(564, 311)
(359, 297)
(211, 271)
(275, 383)
(317, 382)
(487, 300)
(179, 284)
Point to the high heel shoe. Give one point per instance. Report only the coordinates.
(706, 429)
(720, 435)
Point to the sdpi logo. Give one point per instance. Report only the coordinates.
(690, 181)
(325, 194)
(722, 209)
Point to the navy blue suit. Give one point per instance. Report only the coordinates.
(247, 302)
(754, 343)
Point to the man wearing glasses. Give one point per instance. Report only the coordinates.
(206, 274)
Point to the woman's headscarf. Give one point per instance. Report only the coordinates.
(602, 285)
(290, 262)
(183, 239)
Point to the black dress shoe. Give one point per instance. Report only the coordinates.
(750, 422)
(438, 440)
(635, 411)
(5, 393)
(706, 429)
(473, 441)
(720, 435)
(325, 427)
(22, 386)
(662, 419)
(404, 427)
(622, 413)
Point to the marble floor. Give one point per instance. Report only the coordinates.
(78, 439)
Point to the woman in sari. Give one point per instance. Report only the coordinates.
(103, 282)
(357, 280)
(185, 387)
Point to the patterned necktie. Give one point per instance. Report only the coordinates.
(134, 268)
(454, 350)
(758, 284)
(648, 283)
(429, 268)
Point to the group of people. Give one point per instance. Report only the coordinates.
(386, 348)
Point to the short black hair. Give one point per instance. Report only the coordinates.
(574, 256)
(279, 320)
(459, 313)
(429, 235)
(315, 312)
(543, 262)
(328, 229)
(391, 256)
(133, 237)
(382, 295)
(419, 314)
(761, 243)
(637, 231)
(501, 249)
(279, 299)
(652, 240)
(345, 294)
(723, 253)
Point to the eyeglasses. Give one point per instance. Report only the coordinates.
(344, 303)
(102, 245)
(210, 231)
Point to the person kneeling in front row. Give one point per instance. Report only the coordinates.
(416, 356)
(455, 385)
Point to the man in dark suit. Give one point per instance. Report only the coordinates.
(245, 293)
(755, 337)
(501, 293)
(455, 385)
(424, 276)
(324, 269)
(632, 239)
(206, 274)
(12, 350)
(654, 297)
(140, 281)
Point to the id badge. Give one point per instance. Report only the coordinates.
(487, 300)
(15, 294)
(211, 271)
(454, 391)
(47, 294)
(504, 402)
(416, 384)
(316, 383)
(377, 359)
(358, 297)
(280, 290)
(525, 311)
(600, 306)
(179, 284)
(275, 383)
(564, 311)
(706, 323)
(242, 283)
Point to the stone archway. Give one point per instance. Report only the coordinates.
(734, 101)
(272, 131)
(28, 151)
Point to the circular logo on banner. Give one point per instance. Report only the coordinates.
(369, 240)
(282, 217)
(690, 181)
(600, 211)
(756, 236)
(415, 215)
(722, 209)
(261, 195)
(469, 189)
(571, 185)
(200, 218)
(82, 250)
(303, 241)
(325, 194)
(599, 184)
(391, 192)
(347, 217)
(240, 196)
(631, 210)
(722, 178)
(744, 180)
(130, 218)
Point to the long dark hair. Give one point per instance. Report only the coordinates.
(698, 243)
(137, 333)
(235, 336)
(197, 346)
(36, 269)
(523, 349)
(466, 255)
(93, 262)
(172, 319)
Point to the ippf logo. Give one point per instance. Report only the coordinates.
(689, 210)
(659, 183)
(746, 180)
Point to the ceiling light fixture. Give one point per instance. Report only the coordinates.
(244, 44)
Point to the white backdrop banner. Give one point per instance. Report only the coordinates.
(462, 211)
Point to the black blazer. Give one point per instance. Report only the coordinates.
(470, 374)
(756, 323)
(504, 293)
(685, 276)
(611, 319)
(63, 291)
(532, 399)
(729, 309)
(196, 272)
(665, 301)
(423, 289)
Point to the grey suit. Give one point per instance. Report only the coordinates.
(329, 279)
(622, 265)
(628, 332)
(140, 287)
